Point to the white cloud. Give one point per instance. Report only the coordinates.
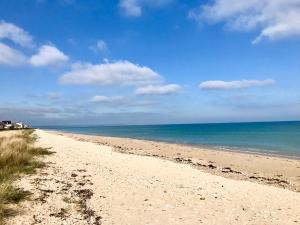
(125, 102)
(101, 46)
(158, 89)
(133, 8)
(15, 34)
(276, 19)
(48, 55)
(107, 99)
(10, 56)
(116, 73)
(238, 84)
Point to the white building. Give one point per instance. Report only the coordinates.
(7, 124)
(19, 125)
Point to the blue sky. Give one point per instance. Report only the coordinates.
(149, 61)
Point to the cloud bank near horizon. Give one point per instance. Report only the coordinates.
(237, 84)
(167, 89)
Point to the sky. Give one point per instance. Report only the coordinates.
(77, 62)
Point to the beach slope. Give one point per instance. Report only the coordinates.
(87, 183)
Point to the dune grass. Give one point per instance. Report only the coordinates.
(18, 155)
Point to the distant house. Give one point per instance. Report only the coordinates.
(19, 125)
(7, 124)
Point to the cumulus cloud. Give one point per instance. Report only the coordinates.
(116, 73)
(48, 55)
(16, 34)
(238, 84)
(158, 89)
(134, 8)
(131, 8)
(10, 56)
(100, 46)
(276, 19)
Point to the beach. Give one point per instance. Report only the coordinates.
(266, 169)
(91, 183)
(126, 113)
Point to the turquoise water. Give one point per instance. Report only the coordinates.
(282, 138)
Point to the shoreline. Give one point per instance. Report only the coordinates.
(277, 171)
(200, 146)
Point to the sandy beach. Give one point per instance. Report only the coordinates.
(89, 180)
(271, 170)
(150, 112)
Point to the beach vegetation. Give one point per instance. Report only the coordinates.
(18, 155)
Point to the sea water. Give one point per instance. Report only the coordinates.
(282, 138)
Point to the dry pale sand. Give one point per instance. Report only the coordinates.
(276, 171)
(88, 183)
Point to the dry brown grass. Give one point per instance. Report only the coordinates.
(17, 156)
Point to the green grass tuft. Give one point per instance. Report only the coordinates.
(18, 155)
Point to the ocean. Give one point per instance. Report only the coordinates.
(275, 138)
